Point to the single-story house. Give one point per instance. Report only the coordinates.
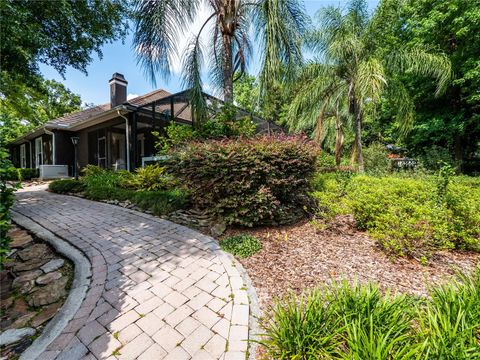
(117, 135)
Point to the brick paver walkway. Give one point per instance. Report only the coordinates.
(158, 290)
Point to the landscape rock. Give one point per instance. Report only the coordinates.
(50, 293)
(53, 265)
(7, 302)
(218, 229)
(21, 241)
(48, 278)
(25, 277)
(46, 314)
(36, 251)
(23, 320)
(29, 265)
(11, 336)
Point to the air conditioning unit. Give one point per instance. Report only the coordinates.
(53, 171)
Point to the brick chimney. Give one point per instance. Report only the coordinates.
(118, 90)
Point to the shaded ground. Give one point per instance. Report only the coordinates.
(304, 255)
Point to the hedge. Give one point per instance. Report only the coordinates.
(248, 182)
(16, 174)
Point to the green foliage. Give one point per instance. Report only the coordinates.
(66, 186)
(95, 176)
(149, 178)
(450, 321)
(407, 216)
(224, 124)
(248, 181)
(341, 322)
(243, 245)
(58, 33)
(434, 157)
(35, 107)
(7, 199)
(159, 202)
(376, 160)
(358, 322)
(22, 174)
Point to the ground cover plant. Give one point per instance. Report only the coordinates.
(407, 215)
(243, 245)
(261, 180)
(344, 321)
(149, 188)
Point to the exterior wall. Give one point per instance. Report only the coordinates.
(88, 139)
(64, 151)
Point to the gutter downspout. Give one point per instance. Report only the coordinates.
(127, 136)
(54, 155)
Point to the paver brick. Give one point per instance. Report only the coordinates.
(158, 290)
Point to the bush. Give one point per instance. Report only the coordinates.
(358, 322)
(408, 216)
(157, 202)
(434, 157)
(241, 245)
(94, 176)
(149, 178)
(7, 199)
(66, 186)
(375, 159)
(342, 321)
(248, 181)
(18, 174)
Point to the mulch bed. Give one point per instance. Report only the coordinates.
(301, 256)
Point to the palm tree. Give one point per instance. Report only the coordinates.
(352, 65)
(278, 26)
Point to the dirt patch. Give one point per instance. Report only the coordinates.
(301, 256)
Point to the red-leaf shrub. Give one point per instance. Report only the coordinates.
(264, 180)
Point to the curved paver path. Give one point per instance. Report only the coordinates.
(158, 290)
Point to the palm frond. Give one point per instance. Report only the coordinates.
(157, 25)
(279, 26)
(370, 79)
(422, 62)
(191, 79)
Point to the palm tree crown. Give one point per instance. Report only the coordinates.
(276, 24)
(352, 69)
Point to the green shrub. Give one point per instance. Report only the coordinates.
(158, 202)
(241, 245)
(149, 178)
(450, 321)
(7, 199)
(407, 216)
(434, 157)
(341, 322)
(95, 176)
(358, 322)
(66, 186)
(376, 160)
(248, 181)
(18, 174)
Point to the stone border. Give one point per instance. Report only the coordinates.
(81, 282)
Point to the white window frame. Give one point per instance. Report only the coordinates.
(23, 156)
(38, 152)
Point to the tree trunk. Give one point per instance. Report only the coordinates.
(355, 109)
(338, 142)
(227, 69)
(358, 137)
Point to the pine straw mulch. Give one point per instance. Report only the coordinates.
(301, 256)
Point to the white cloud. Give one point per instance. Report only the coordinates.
(131, 96)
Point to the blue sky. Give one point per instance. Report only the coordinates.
(120, 57)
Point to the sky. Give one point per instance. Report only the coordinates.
(120, 57)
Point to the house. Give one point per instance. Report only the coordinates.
(117, 135)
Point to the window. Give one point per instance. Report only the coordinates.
(102, 152)
(23, 156)
(38, 152)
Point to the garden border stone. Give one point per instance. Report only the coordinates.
(80, 284)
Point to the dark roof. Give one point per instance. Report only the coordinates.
(84, 115)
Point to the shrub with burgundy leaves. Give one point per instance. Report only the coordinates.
(261, 180)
